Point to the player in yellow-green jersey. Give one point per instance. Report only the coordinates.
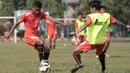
(96, 25)
(78, 23)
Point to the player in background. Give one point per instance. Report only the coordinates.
(103, 9)
(96, 25)
(51, 30)
(41, 28)
(31, 20)
(79, 22)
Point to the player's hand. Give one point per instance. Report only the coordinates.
(128, 26)
(7, 37)
(72, 33)
(66, 24)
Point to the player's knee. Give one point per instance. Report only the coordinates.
(40, 42)
(101, 55)
(46, 50)
(77, 51)
(40, 48)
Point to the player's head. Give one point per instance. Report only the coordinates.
(36, 7)
(50, 15)
(103, 8)
(95, 6)
(79, 16)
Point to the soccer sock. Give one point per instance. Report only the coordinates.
(46, 56)
(40, 52)
(50, 44)
(53, 44)
(102, 61)
(106, 47)
(77, 58)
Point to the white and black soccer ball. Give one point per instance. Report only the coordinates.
(44, 67)
(74, 40)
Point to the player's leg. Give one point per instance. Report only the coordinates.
(50, 43)
(50, 40)
(101, 57)
(43, 50)
(54, 44)
(77, 57)
(107, 44)
(54, 41)
(106, 48)
(83, 47)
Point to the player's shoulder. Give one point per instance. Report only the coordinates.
(47, 21)
(42, 13)
(92, 14)
(28, 12)
(106, 13)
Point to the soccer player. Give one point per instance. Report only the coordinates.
(102, 10)
(31, 20)
(96, 24)
(51, 30)
(79, 22)
(41, 28)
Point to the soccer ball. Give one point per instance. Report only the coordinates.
(44, 67)
(74, 41)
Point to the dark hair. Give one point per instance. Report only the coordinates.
(79, 14)
(96, 4)
(37, 4)
(104, 7)
(50, 15)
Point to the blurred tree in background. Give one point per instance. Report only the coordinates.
(7, 7)
(118, 8)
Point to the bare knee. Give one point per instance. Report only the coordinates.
(77, 51)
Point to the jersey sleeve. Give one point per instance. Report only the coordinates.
(43, 15)
(89, 20)
(47, 24)
(76, 25)
(22, 18)
(112, 19)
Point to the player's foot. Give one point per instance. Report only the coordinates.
(107, 55)
(103, 71)
(96, 56)
(76, 68)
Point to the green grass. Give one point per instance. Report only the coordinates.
(21, 58)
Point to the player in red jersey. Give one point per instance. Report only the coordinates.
(31, 20)
(51, 30)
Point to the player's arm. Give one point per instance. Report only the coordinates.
(114, 20)
(47, 26)
(76, 26)
(54, 20)
(88, 22)
(12, 29)
(21, 19)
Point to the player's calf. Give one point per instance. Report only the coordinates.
(102, 61)
(40, 52)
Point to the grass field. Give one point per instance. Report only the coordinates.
(21, 58)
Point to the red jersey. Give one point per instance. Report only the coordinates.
(51, 27)
(31, 23)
